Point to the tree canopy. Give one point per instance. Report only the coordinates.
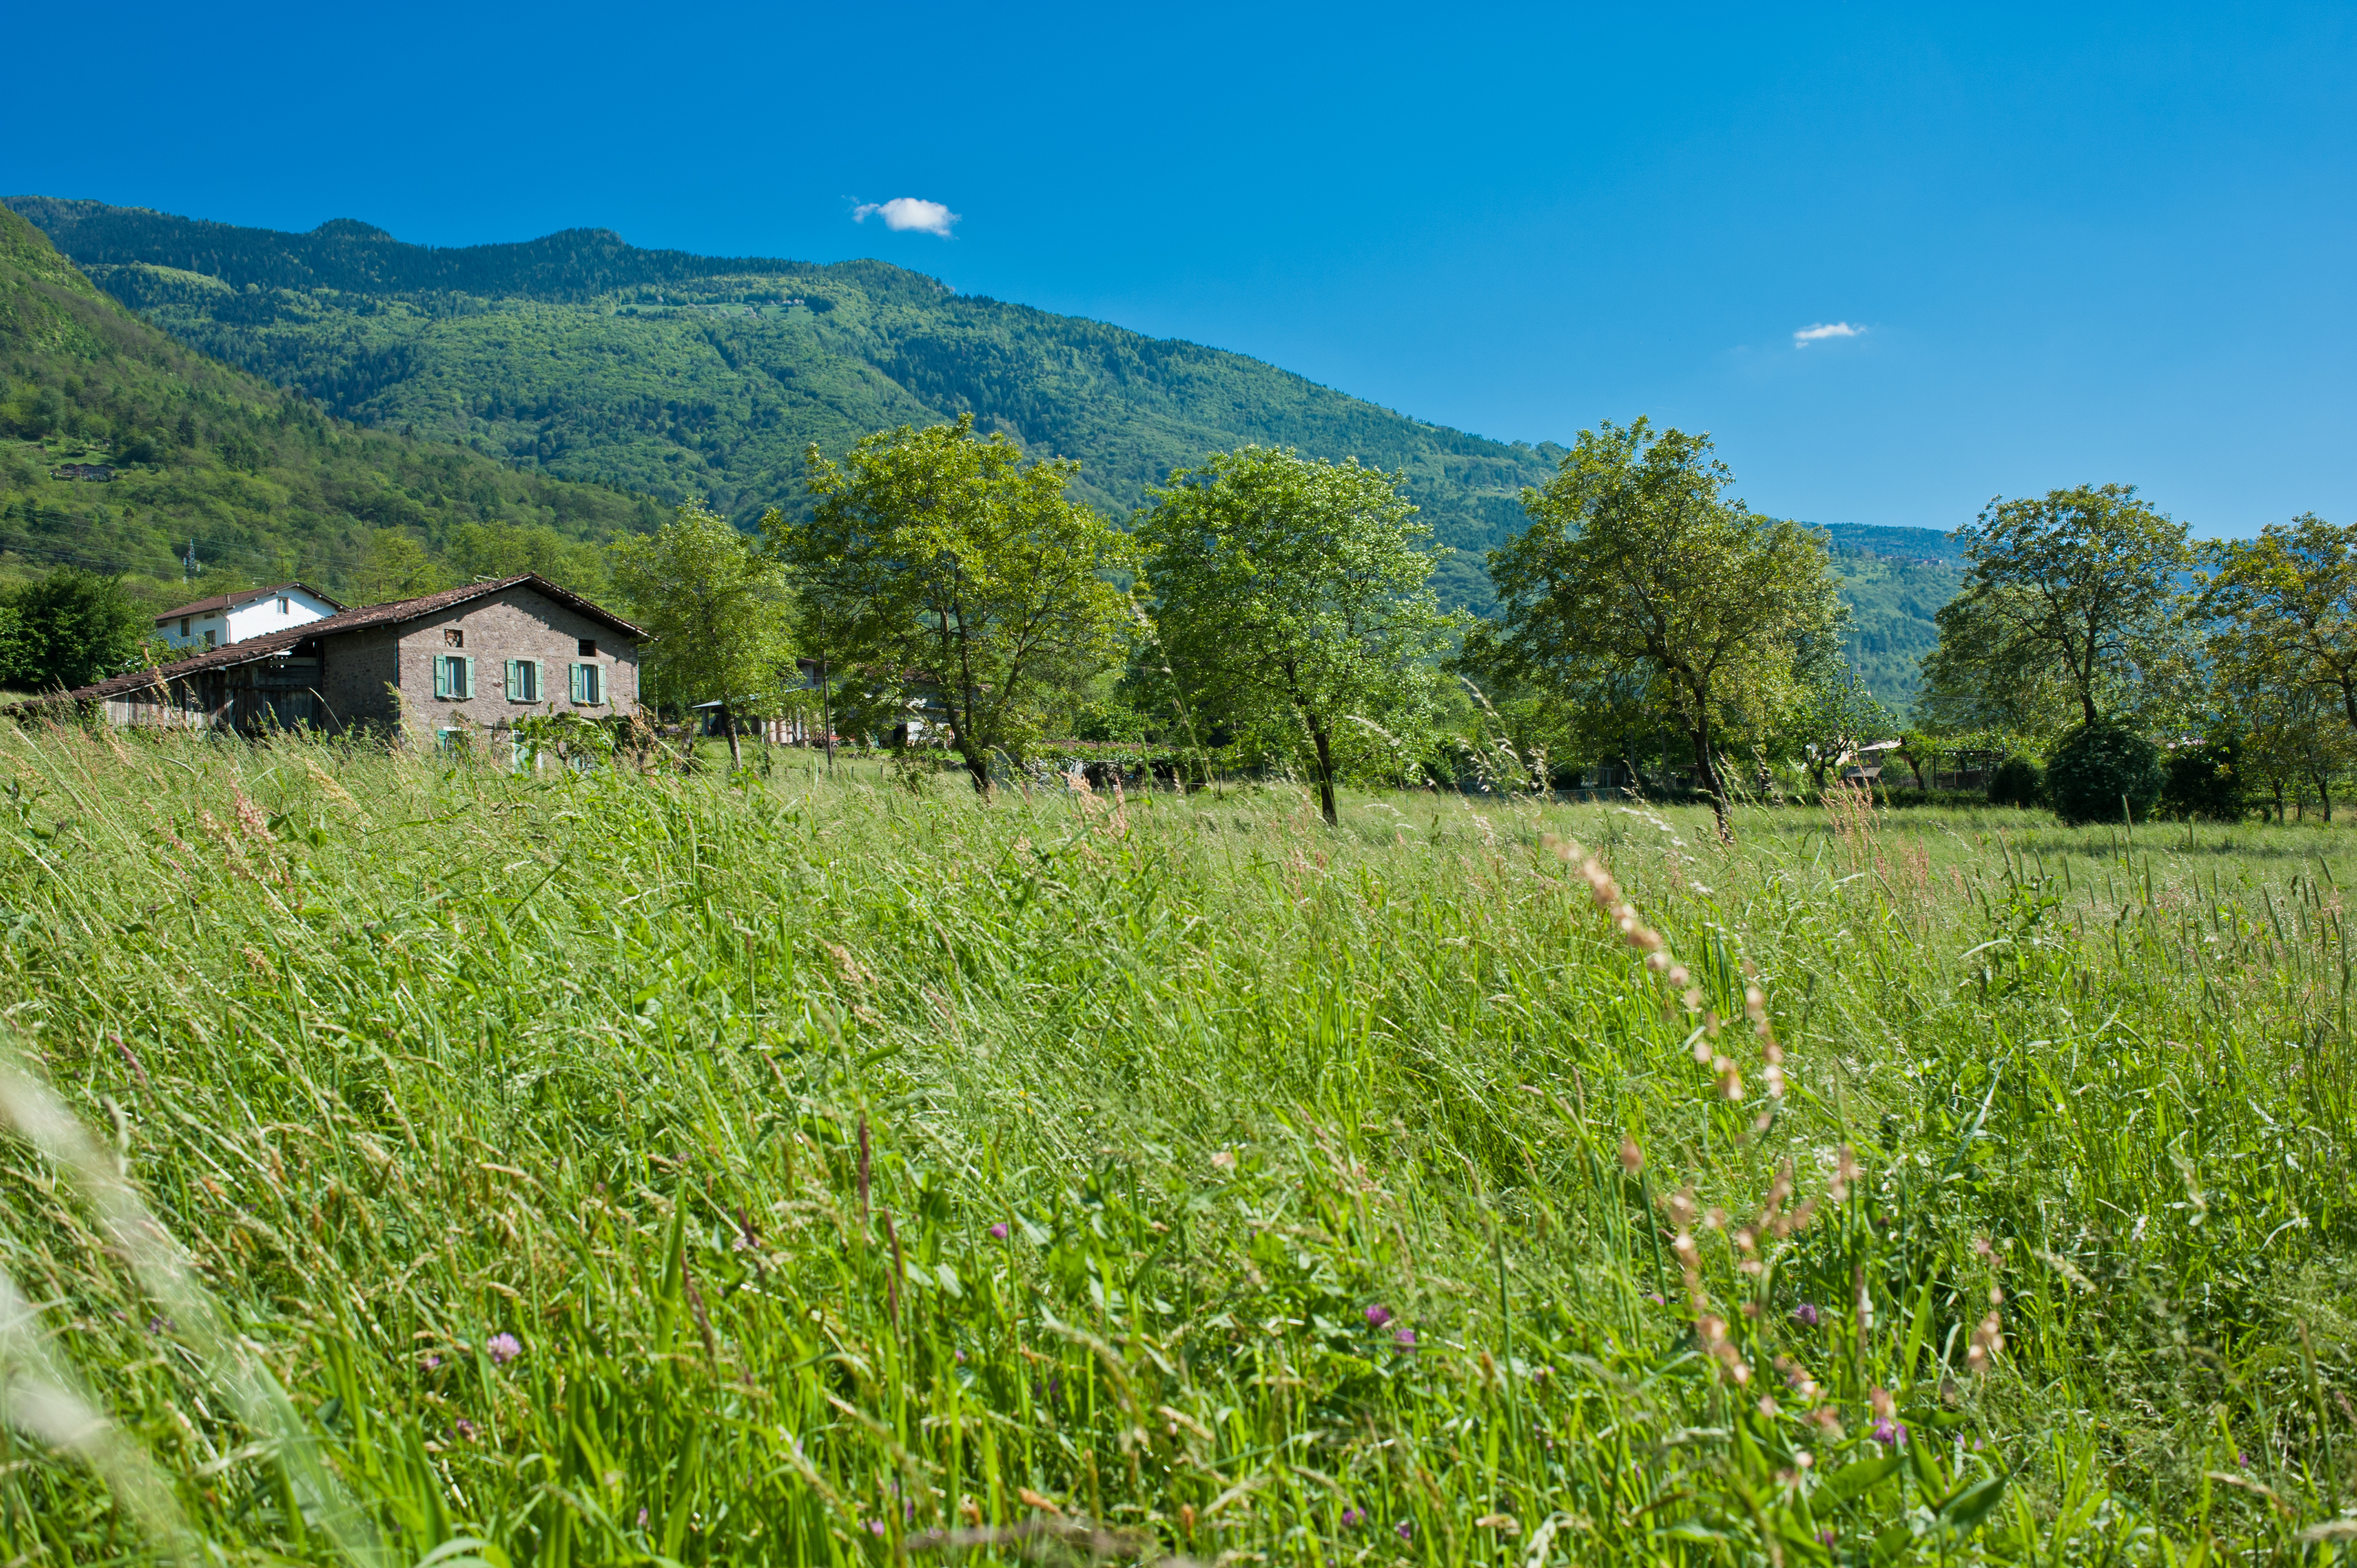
(718, 608)
(2067, 605)
(950, 565)
(2295, 588)
(1636, 563)
(69, 629)
(1290, 591)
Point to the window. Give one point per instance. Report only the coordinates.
(450, 739)
(589, 684)
(454, 638)
(454, 676)
(589, 648)
(184, 626)
(523, 680)
(209, 638)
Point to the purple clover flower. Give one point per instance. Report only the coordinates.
(1806, 1314)
(998, 1231)
(642, 1519)
(1405, 1338)
(505, 1347)
(1353, 1519)
(1405, 1530)
(466, 1428)
(1379, 1315)
(1889, 1433)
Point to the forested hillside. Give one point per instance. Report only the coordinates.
(582, 357)
(262, 483)
(1894, 580)
(579, 357)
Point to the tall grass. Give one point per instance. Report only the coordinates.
(611, 1167)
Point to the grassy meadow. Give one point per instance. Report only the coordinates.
(605, 1167)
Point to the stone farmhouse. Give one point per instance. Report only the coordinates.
(234, 617)
(466, 662)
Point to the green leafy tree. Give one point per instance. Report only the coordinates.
(71, 628)
(718, 606)
(2296, 740)
(2102, 772)
(1292, 592)
(1636, 562)
(2295, 590)
(2069, 603)
(393, 567)
(942, 561)
(1836, 716)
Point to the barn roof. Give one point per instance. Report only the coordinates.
(396, 613)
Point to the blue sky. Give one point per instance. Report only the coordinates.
(2078, 244)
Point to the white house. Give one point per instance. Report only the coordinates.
(250, 612)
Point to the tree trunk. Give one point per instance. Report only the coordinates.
(977, 764)
(826, 715)
(1325, 774)
(1720, 807)
(736, 751)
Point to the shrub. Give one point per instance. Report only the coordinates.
(2015, 782)
(2101, 770)
(2206, 781)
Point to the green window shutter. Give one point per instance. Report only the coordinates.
(573, 695)
(441, 676)
(467, 678)
(515, 680)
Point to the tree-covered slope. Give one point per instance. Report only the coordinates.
(580, 356)
(1894, 580)
(264, 483)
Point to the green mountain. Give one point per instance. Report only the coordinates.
(579, 357)
(673, 375)
(186, 449)
(1894, 580)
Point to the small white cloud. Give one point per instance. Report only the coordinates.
(905, 212)
(1808, 335)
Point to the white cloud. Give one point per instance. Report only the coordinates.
(904, 212)
(1806, 335)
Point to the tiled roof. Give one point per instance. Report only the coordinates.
(393, 614)
(239, 600)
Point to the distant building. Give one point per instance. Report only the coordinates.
(468, 661)
(234, 617)
(98, 471)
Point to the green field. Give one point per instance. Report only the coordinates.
(858, 1173)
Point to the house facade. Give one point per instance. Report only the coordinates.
(225, 619)
(468, 662)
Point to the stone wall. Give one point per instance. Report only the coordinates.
(517, 624)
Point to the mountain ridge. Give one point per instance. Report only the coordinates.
(120, 445)
(663, 373)
(676, 376)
